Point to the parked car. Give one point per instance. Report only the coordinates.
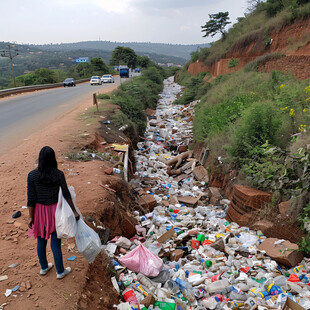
(107, 78)
(95, 80)
(69, 82)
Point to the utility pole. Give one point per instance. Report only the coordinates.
(10, 53)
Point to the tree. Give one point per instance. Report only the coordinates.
(216, 24)
(253, 4)
(124, 56)
(272, 7)
(98, 66)
(143, 61)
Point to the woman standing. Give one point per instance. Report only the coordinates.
(42, 189)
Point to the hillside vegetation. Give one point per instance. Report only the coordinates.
(256, 123)
(256, 27)
(61, 57)
(180, 51)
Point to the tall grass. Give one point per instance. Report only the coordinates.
(137, 95)
(247, 108)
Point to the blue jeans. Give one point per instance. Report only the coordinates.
(56, 249)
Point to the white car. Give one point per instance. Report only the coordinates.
(108, 78)
(95, 80)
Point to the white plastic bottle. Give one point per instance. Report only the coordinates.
(218, 286)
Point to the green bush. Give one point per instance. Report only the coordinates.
(137, 95)
(153, 74)
(233, 62)
(191, 88)
(133, 109)
(103, 96)
(214, 119)
(259, 123)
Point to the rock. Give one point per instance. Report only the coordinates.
(284, 207)
(201, 174)
(108, 171)
(28, 285)
(285, 253)
(218, 245)
(250, 197)
(17, 224)
(215, 192)
(128, 228)
(147, 301)
(165, 203)
(182, 148)
(147, 202)
(263, 225)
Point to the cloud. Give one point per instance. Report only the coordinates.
(168, 21)
(116, 6)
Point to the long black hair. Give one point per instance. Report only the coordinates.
(47, 166)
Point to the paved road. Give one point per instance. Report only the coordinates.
(23, 114)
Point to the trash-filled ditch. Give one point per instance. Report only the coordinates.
(185, 254)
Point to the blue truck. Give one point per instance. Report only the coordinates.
(124, 71)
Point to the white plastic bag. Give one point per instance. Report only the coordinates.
(65, 221)
(142, 260)
(87, 241)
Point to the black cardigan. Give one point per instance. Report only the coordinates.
(38, 192)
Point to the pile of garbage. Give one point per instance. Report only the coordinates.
(185, 254)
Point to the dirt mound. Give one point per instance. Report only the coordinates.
(98, 281)
(291, 41)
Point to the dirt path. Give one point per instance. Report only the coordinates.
(36, 292)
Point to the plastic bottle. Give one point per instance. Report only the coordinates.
(138, 287)
(297, 269)
(238, 296)
(235, 304)
(162, 277)
(130, 297)
(251, 303)
(216, 267)
(281, 281)
(146, 281)
(186, 289)
(209, 303)
(212, 302)
(258, 292)
(172, 286)
(218, 286)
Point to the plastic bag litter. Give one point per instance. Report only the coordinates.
(87, 241)
(247, 240)
(65, 221)
(142, 260)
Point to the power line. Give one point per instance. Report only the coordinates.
(11, 52)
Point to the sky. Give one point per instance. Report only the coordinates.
(64, 21)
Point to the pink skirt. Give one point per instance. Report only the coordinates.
(44, 221)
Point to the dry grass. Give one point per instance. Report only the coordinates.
(295, 43)
(246, 40)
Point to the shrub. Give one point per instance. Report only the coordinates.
(103, 96)
(233, 62)
(133, 109)
(194, 56)
(191, 89)
(260, 123)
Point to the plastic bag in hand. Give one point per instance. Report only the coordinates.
(87, 241)
(65, 221)
(142, 260)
